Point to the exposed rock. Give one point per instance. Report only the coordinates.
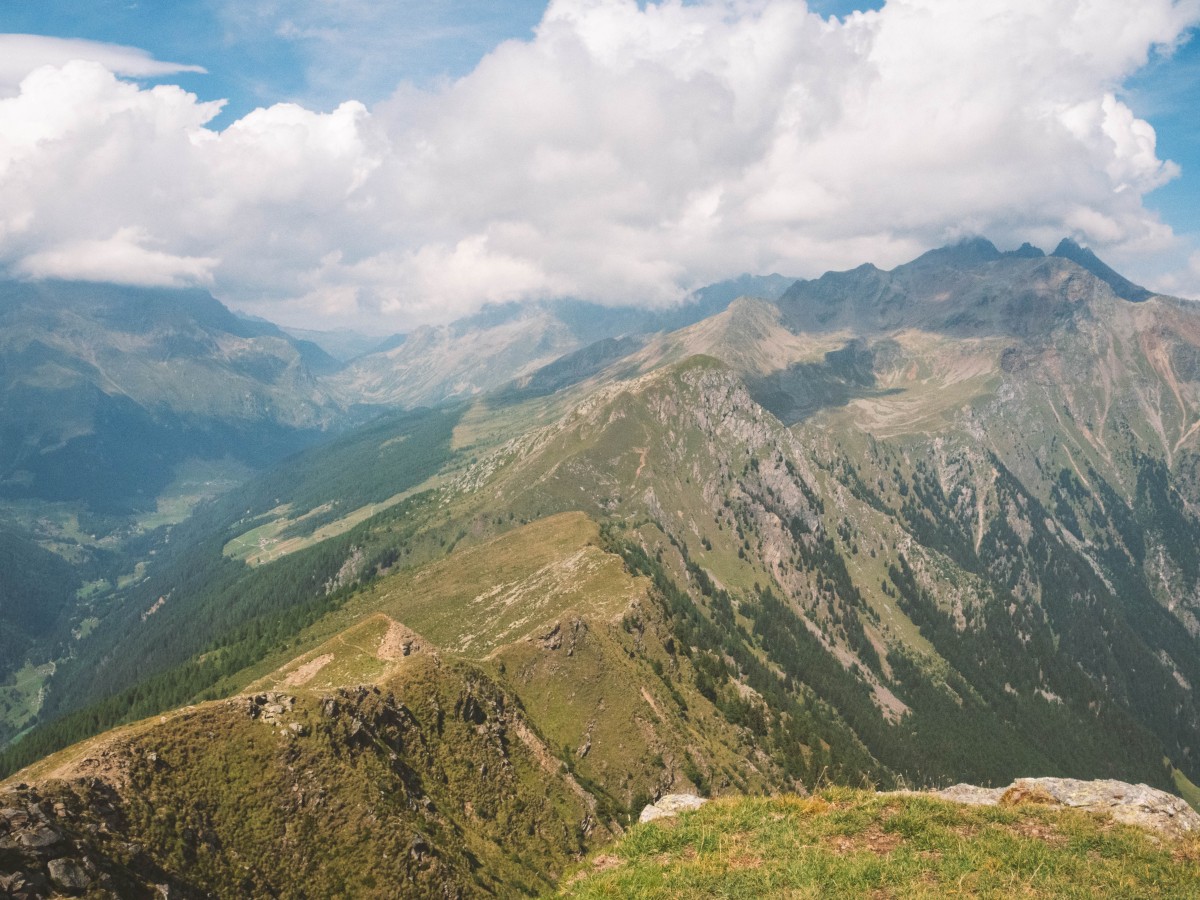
(269, 707)
(400, 641)
(1132, 804)
(39, 837)
(669, 805)
(552, 640)
(68, 875)
(557, 636)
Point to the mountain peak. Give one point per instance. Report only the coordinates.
(1027, 251)
(967, 252)
(1086, 259)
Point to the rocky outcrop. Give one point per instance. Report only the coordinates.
(1132, 804)
(669, 805)
(44, 853)
(269, 708)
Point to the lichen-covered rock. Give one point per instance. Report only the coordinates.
(669, 805)
(68, 875)
(1132, 804)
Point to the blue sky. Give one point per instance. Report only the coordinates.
(1167, 94)
(429, 193)
(250, 65)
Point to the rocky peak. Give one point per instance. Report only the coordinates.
(1086, 259)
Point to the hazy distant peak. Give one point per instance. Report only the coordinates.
(1086, 259)
(1027, 251)
(968, 252)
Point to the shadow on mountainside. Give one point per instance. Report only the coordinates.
(803, 389)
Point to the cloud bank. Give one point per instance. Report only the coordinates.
(625, 154)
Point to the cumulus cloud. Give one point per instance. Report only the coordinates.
(20, 54)
(625, 154)
(123, 258)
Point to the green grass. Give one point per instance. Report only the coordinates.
(1187, 790)
(493, 593)
(844, 843)
(21, 696)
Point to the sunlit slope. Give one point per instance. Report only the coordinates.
(982, 530)
(497, 758)
(560, 621)
(881, 532)
(432, 779)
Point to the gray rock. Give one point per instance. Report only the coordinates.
(1132, 804)
(38, 837)
(68, 875)
(669, 805)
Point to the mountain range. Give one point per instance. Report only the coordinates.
(905, 527)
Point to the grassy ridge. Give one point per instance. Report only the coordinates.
(844, 843)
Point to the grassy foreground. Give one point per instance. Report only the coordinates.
(844, 843)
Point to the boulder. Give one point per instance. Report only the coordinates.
(669, 805)
(1132, 804)
(68, 875)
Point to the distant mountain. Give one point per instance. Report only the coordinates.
(511, 341)
(926, 525)
(966, 289)
(1121, 286)
(342, 345)
(104, 390)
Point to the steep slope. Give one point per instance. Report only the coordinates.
(106, 389)
(122, 410)
(481, 763)
(938, 523)
(747, 503)
(430, 784)
(1054, 464)
(35, 586)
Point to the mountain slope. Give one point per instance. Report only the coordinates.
(483, 765)
(506, 342)
(929, 524)
(105, 390)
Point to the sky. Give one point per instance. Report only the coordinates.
(386, 165)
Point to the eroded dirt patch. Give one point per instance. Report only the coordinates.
(307, 672)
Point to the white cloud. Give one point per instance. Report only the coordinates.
(624, 154)
(20, 54)
(123, 258)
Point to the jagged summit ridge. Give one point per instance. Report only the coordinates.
(1121, 286)
(970, 288)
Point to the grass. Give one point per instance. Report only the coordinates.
(264, 544)
(21, 696)
(426, 785)
(352, 657)
(196, 480)
(493, 593)
(1187, 790)
(844, 843)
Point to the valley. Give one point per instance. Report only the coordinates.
(893, 529)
